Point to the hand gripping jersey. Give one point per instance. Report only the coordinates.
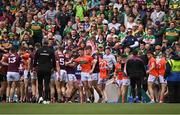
(85, 62)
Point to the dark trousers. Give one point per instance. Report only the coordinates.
(174, 91)
(46, 76)
(136, 81)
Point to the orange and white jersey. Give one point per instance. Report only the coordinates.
(154, 71)
(120, 72)
(161, 66)
(25, 59)
(85, 63)
(103, 64)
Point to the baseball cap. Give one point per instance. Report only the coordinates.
(11, 34)
(115, 7)
(124, 56)
(100, 46)
(110, 4)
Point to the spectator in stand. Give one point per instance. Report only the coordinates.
(157, 15)
(130, 40)
(172, 33)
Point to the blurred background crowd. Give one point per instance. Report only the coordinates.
(122, 25)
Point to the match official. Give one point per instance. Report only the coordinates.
(44, 63)
(136, 71)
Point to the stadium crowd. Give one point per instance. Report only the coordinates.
(87, 43)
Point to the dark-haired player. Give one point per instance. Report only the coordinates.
(13, 76)
(61, 74)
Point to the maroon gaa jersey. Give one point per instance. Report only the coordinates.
(14, 61)
(60, 58)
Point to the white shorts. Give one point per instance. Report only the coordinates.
(102, 81)
(86, 76)
(95, 76)
(71, 77)
(126, 82)
(152, 78)
(53, 76)
(25, 74)
(162, 80)
(13, 76)
(119, 82)
(63, 76)
(33, 76)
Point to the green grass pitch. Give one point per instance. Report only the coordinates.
(89, 109)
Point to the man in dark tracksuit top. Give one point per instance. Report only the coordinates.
(136, 71)
(44, 62)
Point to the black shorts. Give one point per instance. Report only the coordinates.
(3, 78)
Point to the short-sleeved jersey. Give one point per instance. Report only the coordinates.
(60, 58)
(154, 71)
(85, 62)
(161, 66)
(14, 61)
(120, 71)
(103, 64)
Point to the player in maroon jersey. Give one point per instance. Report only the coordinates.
(13, 76)
(61, 74)
(3, 79)
(70, 68)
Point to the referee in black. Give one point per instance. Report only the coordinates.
(135, 69)
(44, 63)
